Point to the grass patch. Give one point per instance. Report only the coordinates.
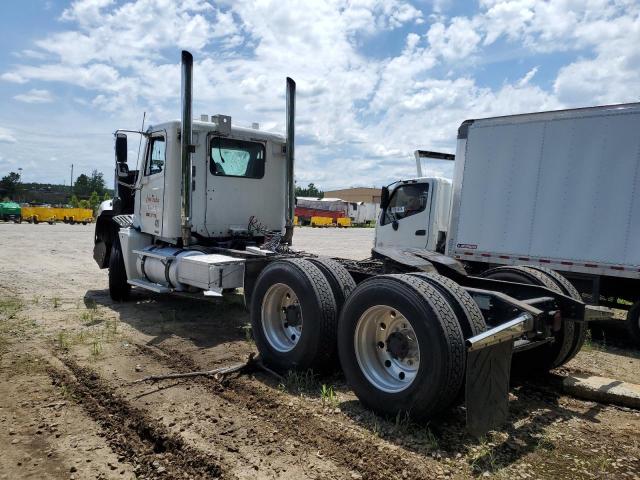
(591, 345)
(328, 397)
(10, 321)
(56, 302)
(482, 456)
(10, 307)
(96, 348)
(299, 383)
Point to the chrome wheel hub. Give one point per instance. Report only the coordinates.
(386, 348)
(281, 317)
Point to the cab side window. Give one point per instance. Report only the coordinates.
(157, 151)
(406, 200)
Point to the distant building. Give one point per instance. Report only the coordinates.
(356, 194)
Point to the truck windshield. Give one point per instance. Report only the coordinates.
(237, 158)
(406, 200)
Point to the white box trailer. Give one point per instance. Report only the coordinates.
(557, 187)
(560, 189)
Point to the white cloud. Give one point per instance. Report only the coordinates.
(13, 77)
(35, 96)
(456, 41)
(7, 136)
(369, 113)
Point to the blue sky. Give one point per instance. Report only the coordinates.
(376, 79)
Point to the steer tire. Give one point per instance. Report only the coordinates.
(316, 346)
(440, 373)
(119, 288)
(466, 309)
(580, 329)
(550, 355)
(340, 280)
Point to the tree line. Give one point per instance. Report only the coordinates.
(88, 191)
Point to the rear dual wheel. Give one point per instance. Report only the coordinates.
(294, 316)
(401, 346)
(567, 341)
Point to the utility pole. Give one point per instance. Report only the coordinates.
(71, 181)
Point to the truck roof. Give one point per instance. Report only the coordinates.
(615, 109)
(200, 126)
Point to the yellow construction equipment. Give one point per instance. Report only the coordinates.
(321, 221)
(344, 222)
(56, 214)
(38, 214)
(75, 215)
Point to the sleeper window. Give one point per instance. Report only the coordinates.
(237, 158)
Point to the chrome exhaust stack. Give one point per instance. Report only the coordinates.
(186, 147)
(290, 156)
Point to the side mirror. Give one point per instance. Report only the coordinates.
(384, 198)
(121, 148)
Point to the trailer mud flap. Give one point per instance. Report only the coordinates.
(487, 387)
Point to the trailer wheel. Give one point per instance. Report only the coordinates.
(119, 289)
(294, 316)
(579, 329)
(547, 356)
(340, 280)
(466, 309)
(633, 322)
(401, 347)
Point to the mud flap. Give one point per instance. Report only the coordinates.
(487, 387)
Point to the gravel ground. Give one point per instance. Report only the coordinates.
(354, 243)
(69, 407)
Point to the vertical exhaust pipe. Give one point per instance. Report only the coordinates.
(290, 156)
(186, 147)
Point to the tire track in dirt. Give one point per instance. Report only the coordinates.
(344, 448)
(154, 452)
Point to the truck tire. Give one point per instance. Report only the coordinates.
(340, 280)
(466, 309)
(401, 347)
(550, 355)
(633, 322)
(119, 289)
(579, 329)
(294, 316)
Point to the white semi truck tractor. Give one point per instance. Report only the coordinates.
(211, 210)
(551, 190)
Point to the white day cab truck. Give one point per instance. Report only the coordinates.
(211, 210)
(557, 190)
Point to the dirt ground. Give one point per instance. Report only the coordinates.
(69, 407)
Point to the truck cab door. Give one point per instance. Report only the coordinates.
(152, 183)
(405, 221)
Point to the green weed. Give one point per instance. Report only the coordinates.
(96, 348)
(56, 302)
(328, 397)
(62, 341)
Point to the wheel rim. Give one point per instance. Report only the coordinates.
(281, 317)
(387, 349)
